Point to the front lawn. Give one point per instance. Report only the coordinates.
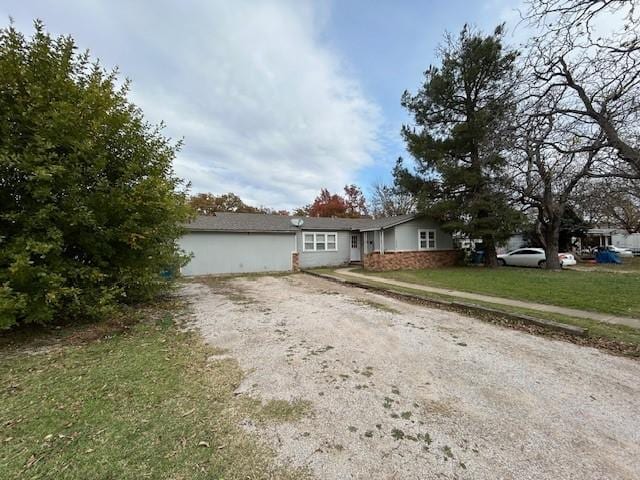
(599, 291)
(140, 403)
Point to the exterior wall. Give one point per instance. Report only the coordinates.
(326, 259)
(512, 243)
(406, 235)
(390, 239)
(415, 259)
(220, 252)
(368, 242)
(627, 240)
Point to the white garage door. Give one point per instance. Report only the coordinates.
(217, 252)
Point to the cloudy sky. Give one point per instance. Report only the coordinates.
(274, 99)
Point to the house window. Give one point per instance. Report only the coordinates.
(308, 242)
(332, 243)
(320, 242)
(426, 239)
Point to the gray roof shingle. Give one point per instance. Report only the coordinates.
(258, 222)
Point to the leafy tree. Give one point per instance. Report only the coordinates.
(352, 205)
(90, 209)
(462, 114)
(328, 205)
(208, 204)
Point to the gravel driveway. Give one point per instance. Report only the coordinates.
(407, 392)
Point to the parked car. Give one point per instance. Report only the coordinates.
(532, 257)
(621, 252)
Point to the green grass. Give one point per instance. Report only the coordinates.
(599, 333)
(143, 403)
(598, 291)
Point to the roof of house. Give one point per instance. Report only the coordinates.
(259, 222)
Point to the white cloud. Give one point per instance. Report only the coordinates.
(266, 110)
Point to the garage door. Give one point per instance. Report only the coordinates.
(217, 252)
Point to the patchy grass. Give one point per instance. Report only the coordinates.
(375, 305)
(223, 285)
(140, 402)
(616, 338)
(627, 265)
(597, 291)
(277, 410)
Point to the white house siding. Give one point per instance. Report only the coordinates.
(406, 235)
(222, 252)
(324, 258)
(627, 240)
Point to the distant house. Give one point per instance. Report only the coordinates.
(603, 236)
(251, 242)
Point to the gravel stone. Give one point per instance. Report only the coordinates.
(508, 405)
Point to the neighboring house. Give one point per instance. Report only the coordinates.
(514, 242)
(603, 236)
(252, 242)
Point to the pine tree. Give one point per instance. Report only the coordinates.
(462, 114)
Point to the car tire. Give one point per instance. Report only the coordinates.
(542, 264)
(501, 262)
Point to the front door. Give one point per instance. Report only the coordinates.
(355, 247)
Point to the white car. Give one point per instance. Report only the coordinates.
(532, 257)
(621, 252)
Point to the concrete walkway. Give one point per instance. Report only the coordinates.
(570, 312)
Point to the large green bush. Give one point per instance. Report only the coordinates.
(89, 205)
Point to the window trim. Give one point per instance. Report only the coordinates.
(435, 239)
(315, 242)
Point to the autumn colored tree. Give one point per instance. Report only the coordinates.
(328, 205)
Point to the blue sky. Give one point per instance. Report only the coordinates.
(274, 98)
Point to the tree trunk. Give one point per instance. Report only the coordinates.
(490, 254)
(552, 240)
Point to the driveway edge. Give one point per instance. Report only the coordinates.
(469, 308)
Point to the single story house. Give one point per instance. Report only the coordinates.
(252, 242)
(603, 236)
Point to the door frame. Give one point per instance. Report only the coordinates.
(355, 253)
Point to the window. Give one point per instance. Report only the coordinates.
(320, 242)
(308, 242)
(354, 241)
(426, 239)
(332, 243)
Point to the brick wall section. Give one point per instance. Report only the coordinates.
(295, 261)
(407, 260)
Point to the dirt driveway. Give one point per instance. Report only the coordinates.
(406, 392)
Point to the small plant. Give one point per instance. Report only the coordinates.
(425, 437)
(447, 452)
(397, 434)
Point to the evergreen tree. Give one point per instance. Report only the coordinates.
(462, 114)
(90, 209)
